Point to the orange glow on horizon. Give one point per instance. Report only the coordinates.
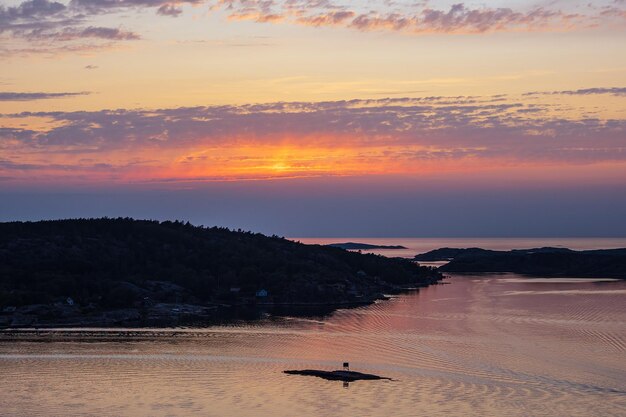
(254, 161)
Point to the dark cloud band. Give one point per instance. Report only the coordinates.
(428, 128)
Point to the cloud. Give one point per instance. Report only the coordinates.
(35, 167)
(103, 6)
(30, 9)
(51, 49)
(47, 26)
(332, 18)
(458, 19)
(615, 91)
(95, 32)
(164, 7)
(33, 15)
(418, 18)
(402, 135)
(44, 26)
(15, 96)
(169, 10)
(257, 17)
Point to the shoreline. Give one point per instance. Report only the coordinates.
(173, 316)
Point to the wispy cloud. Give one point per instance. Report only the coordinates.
(614, 91)
(69, 34)
(107, 6)
(18, 96)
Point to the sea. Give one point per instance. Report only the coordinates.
(476, 345)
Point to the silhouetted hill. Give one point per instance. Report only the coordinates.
(538, 261)
(447, 254)
(71, 268)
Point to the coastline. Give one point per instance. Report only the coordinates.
(171, 316)
(125, 272)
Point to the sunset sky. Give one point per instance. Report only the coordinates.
(318, 117)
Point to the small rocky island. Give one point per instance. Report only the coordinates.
(363, 246)
(339, 375)
(606, 263)
(136, 273)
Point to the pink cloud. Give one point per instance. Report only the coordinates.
(459, 18)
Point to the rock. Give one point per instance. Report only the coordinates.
(345, 376)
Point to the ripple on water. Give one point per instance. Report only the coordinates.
(469, 348)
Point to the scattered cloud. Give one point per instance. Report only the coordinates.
(420, 17)
(38, 23)
(44, 26)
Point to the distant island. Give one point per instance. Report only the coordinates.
(363, 246)
(125, 272)
(607, 263)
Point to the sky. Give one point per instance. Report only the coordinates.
(318, 117)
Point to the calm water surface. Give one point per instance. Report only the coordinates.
(499, 345)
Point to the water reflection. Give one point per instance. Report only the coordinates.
(495, 345)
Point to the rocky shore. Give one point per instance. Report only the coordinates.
(62, 315)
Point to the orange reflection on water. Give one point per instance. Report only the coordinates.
(479, 346)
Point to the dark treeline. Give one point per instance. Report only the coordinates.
(110, 263)
(538, 261)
